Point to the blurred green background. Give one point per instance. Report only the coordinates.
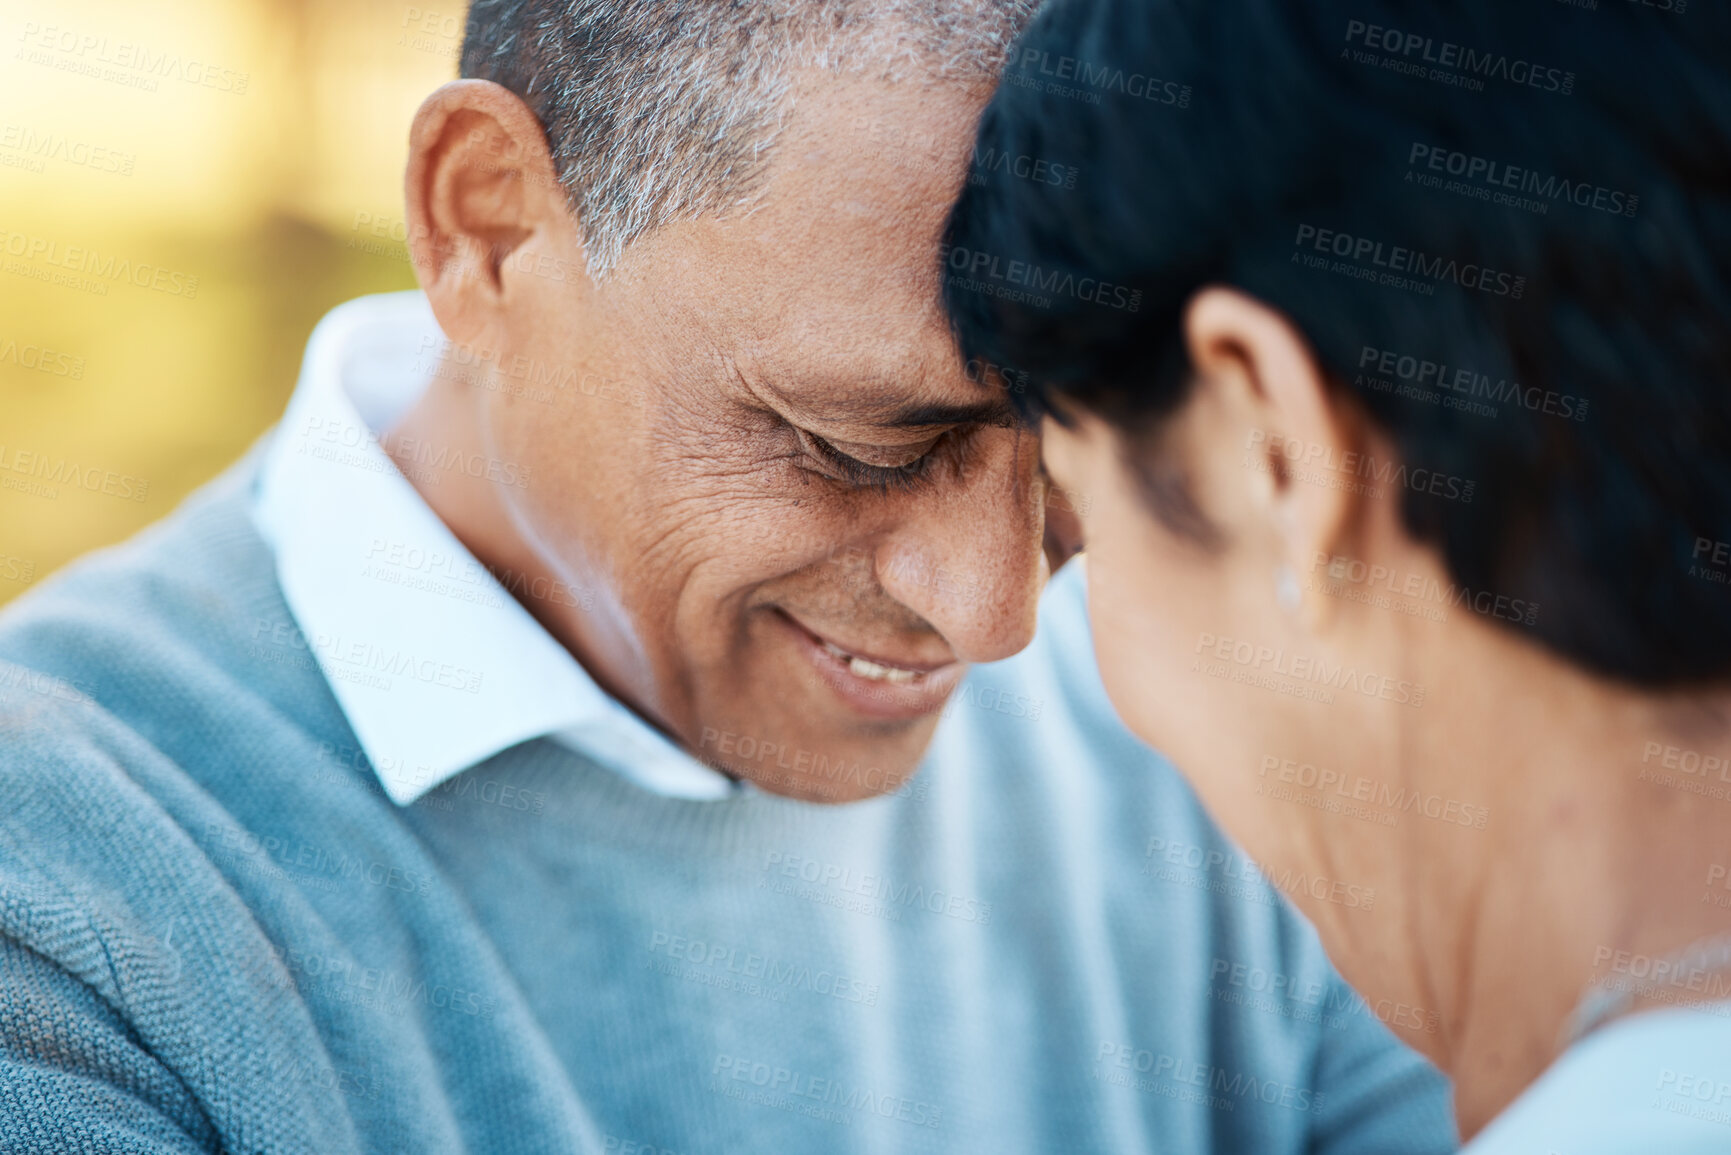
(255, 145)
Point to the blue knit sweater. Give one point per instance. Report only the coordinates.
(218, 934)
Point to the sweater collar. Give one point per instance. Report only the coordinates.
(435, 663)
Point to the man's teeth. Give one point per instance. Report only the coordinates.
(872, 670)
(862, 668)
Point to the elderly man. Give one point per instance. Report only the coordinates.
(441, 777)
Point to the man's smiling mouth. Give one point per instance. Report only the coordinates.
(877, 672)
(873, 684)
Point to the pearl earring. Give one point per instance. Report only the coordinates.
(1286, 590)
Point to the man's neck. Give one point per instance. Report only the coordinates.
(472, 508)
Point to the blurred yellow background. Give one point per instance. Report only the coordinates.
(185, 188)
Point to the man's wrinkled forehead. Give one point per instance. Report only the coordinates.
(861, 184)
(828, 290)
(868, 353)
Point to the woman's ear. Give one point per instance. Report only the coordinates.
(1302, 447)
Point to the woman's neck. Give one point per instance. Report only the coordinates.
(1606, 837)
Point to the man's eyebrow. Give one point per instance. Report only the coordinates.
(997, 412)
(884, 410)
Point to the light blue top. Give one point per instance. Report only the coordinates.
(1658, 1081)
(220, 931)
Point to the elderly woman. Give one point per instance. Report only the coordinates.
(1388, 347)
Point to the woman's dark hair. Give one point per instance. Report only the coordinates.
(1504, 226)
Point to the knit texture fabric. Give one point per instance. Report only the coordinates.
(218, 934)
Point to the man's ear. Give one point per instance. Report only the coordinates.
(1306, 445)
(480, 182)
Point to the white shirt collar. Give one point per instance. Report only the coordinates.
(434, 663)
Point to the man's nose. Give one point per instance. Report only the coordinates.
(967, 556)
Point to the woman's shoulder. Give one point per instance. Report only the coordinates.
(1656, 1081)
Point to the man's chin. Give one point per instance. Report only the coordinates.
(805, 787)
(824, 768)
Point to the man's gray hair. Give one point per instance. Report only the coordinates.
(664, 110)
